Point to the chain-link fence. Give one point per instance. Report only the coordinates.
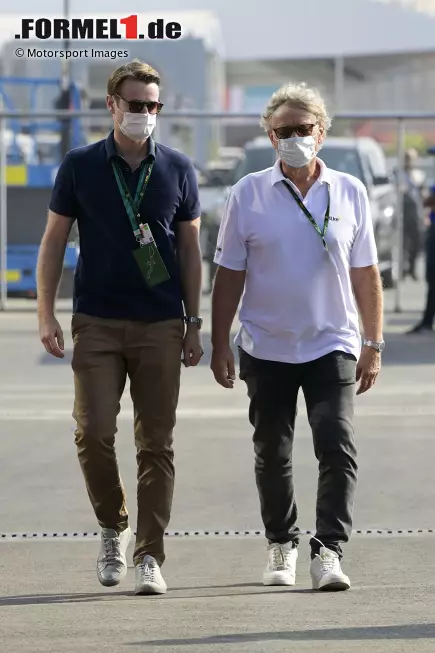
(223, 147)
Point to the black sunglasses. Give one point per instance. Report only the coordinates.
(137, 106)
(299, 130)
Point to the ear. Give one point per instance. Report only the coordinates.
(321, 137)
(272, 138)
(110, 104)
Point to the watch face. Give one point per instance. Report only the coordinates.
(194, 320)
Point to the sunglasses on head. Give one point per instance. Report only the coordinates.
(289, 131)
(137, 106)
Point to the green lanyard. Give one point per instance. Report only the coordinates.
(132, 206)
(322, 233)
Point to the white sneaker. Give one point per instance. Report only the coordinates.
(326, 572)
(281, 567)
(112, 561)
(149, 579)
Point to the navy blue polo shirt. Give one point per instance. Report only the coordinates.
(108, 282)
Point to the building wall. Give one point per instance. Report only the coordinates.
(369, 83)
(395, 83)
(408, 85)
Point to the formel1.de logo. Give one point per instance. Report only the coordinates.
(80, 29)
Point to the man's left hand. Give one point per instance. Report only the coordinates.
(368, 368)
(192, 347)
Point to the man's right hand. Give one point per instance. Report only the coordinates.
(51, 336)
(222, 366)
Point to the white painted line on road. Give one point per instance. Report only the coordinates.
(46, 395)
(38, 387)
(55, 396)
(216, 413)
(23, 415)
(52, 392)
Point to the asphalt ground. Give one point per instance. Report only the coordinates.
(50, 599)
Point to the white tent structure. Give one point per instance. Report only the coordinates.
(362, 54)
(425, 6)
(286, 29)
(365, 54)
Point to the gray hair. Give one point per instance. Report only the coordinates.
(299, 96)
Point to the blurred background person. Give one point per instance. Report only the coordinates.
(413, 214)
(426, 323)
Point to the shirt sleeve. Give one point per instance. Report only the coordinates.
(63, 196)
(190, 207)
(364, 250)
(231, 249)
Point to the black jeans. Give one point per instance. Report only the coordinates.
(328, 384)
(429, 313)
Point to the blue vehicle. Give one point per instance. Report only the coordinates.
(33, 156)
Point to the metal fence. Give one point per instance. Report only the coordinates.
(199, 119)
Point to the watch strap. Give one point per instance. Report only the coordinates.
(373, 344)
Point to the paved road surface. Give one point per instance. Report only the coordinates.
(49, 598)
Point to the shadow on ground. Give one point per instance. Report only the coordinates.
(176, 593)
(407, 631)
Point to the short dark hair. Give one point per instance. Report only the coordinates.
(135, 69)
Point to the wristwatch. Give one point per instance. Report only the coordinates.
(378, 346)
(194, 320)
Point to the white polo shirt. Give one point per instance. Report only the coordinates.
(298, 303)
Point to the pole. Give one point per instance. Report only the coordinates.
(66, 76)
(401, 136)
(66, 125)
(229, 117)
(339, 83)
(3, 214)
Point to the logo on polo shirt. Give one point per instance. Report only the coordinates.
(334, 219)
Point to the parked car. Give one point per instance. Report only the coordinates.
(361, 157)
(211, 195)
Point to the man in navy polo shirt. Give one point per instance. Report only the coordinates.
(138, 214)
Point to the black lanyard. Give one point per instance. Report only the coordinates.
(322, 233)
(132, 206)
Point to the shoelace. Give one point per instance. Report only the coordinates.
(280, 557)
(148, 571)
(329, 562)
(111, 550)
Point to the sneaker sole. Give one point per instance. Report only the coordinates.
(333, 587)
(109, 583)
(278, 579)
(149, 590)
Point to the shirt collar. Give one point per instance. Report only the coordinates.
(277, 176)
(111, 149)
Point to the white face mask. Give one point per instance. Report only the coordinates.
(137, 126)
(298, 151)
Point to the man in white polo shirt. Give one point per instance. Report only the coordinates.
(297, 241)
